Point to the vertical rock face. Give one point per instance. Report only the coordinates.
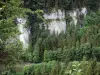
(78, 15)
(57, 20)
(73, 14)
(84, 11)
(0, 8)
(56, 23)
(24, 36)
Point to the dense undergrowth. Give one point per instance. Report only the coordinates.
(91, 67)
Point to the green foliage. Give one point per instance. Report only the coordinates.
(73, 69)
(27, 56)
(46, 54)
(36, 53)
(8, 29)
(56, 69)
(71, 54)
(61, 4)
(93, 18)
(50, 68)
(36, 56)
(72, 45)
(13, 8)
(82, 68)
(10, 46)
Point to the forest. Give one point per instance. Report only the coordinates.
(49, 37)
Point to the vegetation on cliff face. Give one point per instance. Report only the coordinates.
(52, 54)
(62, 4)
